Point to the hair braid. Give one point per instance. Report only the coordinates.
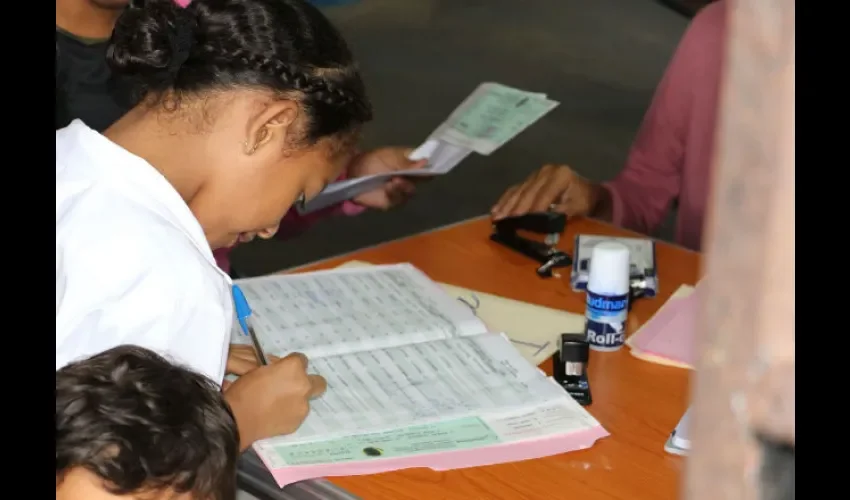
(314, 87)
(284, 46)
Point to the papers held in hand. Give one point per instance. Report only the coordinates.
(491, 116)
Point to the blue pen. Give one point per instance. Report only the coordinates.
(243, 314)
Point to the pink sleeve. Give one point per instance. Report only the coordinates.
(643, 191)
(222, 258)
(294, 223)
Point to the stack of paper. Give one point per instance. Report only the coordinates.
(415, 379)
(668, 337)
(491, 116)
(534, 330)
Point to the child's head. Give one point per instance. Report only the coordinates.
(269, 84)
(128, 422)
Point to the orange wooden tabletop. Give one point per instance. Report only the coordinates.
(638, 402)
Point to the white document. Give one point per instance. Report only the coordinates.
(559, 416)
(493, 115)
(347, 310)
(533, 329)
(442, 156)
(395, 349)
(420, 383)
(399, 353)
(341, 191)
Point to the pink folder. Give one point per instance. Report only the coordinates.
(459, 459)
(670, 333)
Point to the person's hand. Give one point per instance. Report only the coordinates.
(396, 190)
(553, 187)
(273, 400)
(241, 359)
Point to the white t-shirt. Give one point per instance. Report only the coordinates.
(132, 263)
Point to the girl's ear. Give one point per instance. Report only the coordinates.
(273, 124)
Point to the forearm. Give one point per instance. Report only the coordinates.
(640, 199)
(294, 224)
(248, 429)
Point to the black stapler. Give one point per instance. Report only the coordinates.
(551, 224)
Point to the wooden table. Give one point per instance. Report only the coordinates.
(638, 402)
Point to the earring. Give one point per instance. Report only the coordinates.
(301, 201)
(249, 150)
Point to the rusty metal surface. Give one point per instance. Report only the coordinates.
(745, 375)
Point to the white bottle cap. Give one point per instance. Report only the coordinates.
(609, 269)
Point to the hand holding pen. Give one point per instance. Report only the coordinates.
(243, 314)
(273, 399)
(243, 358)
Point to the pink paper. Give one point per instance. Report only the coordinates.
(670, 333)
(459, 459)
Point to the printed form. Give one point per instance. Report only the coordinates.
(410, 369)
(420, 383)
(348, 310)
(555, 418)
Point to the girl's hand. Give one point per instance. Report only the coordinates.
(396, 190)
(242, 360)
(273, 400)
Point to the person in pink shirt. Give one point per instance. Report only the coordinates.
(394, 192)
(670, 159)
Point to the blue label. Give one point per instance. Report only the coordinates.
(606, 320)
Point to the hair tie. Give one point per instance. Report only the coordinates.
(182, 39)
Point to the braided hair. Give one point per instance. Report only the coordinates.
(286, 46)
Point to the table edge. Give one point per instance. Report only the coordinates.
(458, 223)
